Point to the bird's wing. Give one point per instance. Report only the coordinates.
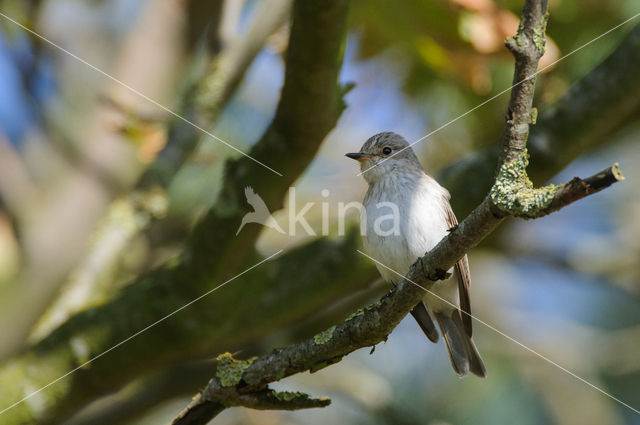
(255, 200)
(464, 278)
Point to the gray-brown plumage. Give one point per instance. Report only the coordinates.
(398, 186)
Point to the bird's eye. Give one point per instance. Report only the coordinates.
(386, 150)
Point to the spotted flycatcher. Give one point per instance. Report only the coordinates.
(396, 177)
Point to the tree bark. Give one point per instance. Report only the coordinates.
(511, 193)
(590, 112)
(308, 109)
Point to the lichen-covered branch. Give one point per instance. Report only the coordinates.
(596, 106)
(279, 400)
(266, 399)
(308, 109)
(372, 325)
(578, 188)
(133, 214)
(527, 46)
(304, 280)
(106, 163)
(179, 381)
(514, 194)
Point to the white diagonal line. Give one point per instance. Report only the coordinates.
(531, 350)
(504, 91)
(133, 90)
(136, 334)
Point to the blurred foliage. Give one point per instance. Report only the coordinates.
(566, 285)
(453, 50)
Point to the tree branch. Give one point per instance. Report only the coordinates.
(372, 325)
(606, 99)
(135, 213)
(308, 109)
(329, 270)
(107, 164)
(178, 381)
(527, 46)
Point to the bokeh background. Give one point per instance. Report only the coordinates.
(567, 286)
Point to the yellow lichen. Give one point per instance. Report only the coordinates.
(538, 37)
(361, 311)
(538, 34)
(358, 312)
(324, 337)
(517, 38)
(513, 192)
(230, 370)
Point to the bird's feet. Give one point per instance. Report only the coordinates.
(439, 274)
(386, 296)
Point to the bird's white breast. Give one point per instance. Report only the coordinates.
(422, 220)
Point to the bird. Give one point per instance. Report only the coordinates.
(260, 214)
(398, 183)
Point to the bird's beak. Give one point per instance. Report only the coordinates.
(359, 156)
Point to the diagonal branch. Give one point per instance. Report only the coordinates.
(309, 108)
(512, 195)
(106, 163)
(135, 213)
(373, 324)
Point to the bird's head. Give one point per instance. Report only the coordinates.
(383, 154)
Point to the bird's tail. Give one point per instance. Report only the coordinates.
(423, 318)
(463, 353)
